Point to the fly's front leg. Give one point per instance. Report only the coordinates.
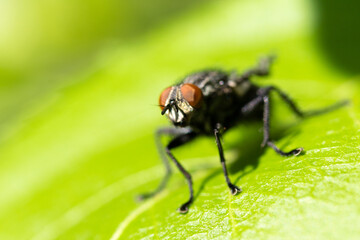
(158, 135)
(234, 189)
(176, 142)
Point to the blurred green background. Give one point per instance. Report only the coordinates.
(79, 83)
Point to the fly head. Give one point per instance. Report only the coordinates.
(180, 102)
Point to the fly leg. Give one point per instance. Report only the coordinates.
(263, 98)
(266, 139)
(176, 142)
(295, 109)
(234, 189)
(262, 69)
(158, 135)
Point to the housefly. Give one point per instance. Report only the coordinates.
(210, 103)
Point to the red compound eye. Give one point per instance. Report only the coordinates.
(163, 97)
(192, 94)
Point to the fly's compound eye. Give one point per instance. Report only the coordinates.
(163, 97)
(192, 94)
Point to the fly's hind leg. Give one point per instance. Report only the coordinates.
(263, 98)
(266, 140)
(262, 69)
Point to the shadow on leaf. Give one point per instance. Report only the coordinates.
(248, 149)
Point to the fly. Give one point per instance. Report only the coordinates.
(211, 102)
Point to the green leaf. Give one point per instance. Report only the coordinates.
(73, 162)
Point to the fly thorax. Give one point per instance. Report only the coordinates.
(241, 88)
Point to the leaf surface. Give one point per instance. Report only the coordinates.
(73, 162)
